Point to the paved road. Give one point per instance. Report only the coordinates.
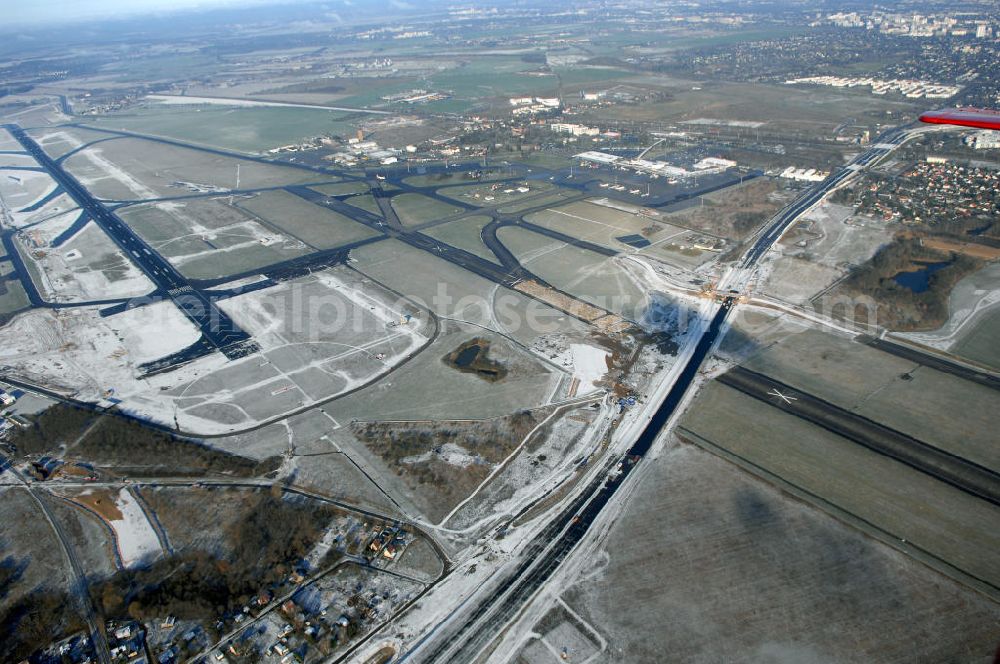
(550, 547)
(485, 620)
(79, 587)
(789, 215)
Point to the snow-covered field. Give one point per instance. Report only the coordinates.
(305, 357)
(225, 101)
(17, 160)
(320, 336)
(21, 189)
(134, 537)
(590, 363)
(48, 221)
(971, 298)
(111, 170)
(87, 267)
(84, 354)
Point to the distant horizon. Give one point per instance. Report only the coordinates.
(61, 12)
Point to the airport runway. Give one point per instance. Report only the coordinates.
(218, 330)
(959, 472)
(486, 620)
(932, 361)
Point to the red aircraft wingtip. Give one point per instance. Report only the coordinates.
(964, 117)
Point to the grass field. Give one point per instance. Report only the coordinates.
(934, 407)
(57, 141)
(980, 343)
(244, 129)
(136, 169)
(464, 234)
(13, 298)
(710, 564)
(806, 110)
(552, 198)
(341, 188)
(365, 202)
(452, 292)
(584, 274)
(208, 238)
(944, 521)
(603, 225)
(427, 388)
(414, 209)
(312, 224)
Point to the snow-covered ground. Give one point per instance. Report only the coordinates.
(87, 267)
(226, 101)
(590, 363)
(80, 352)
(237, 236)
(111, 170)
(16, 160)
(134, 535)
(449, 453)
(21, 189)
(301, 362)
(48, 221)
(971, 297)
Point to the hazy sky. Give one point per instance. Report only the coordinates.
(44, 11)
